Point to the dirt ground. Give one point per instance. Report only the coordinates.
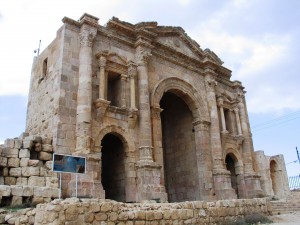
(283, 219)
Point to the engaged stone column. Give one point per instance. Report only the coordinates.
(252, 182)
(223, 122)
(148, 171)
(144, 106)
(132, 72)
(214, 128)
(204, 159)
(237, 119)
(123, 87)
(102, 78)
(84, 94)
(221, 176)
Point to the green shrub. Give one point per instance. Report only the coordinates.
(256, 218)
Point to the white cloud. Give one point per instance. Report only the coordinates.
(184, 2)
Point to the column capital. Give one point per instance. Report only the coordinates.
(87, 35)
(102, 58)
(124, 77)
(220, 101)
(143, 55)
(236, 109)
(210, 83)
(132, 71)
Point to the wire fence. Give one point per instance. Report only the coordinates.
(294, 182)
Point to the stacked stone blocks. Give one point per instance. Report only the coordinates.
(25, 168)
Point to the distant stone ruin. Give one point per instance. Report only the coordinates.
(156, 117)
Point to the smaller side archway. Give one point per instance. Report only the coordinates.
(118, 175)
(235, 166)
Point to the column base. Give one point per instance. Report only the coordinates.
(252, 186)
(222, 184)
(148, 182)
(89, 184)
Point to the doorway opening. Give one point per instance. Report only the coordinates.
(113, 168)
(230, 161)
(180, 165)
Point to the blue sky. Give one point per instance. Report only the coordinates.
(258, 40)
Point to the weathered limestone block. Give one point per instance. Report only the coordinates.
(46, 192)
(10, 152)
(47, 141)
(30, 171)
(24, 153)
(13, 162)
(15, 172)
(17, 190)
(10, 143)
(18, 143)
(36, 181)
(16, 200)
(22, 181)
(1, 182)
(47, 148)
(5, 172)
(34, 162)
(5, 190)
(24, 162)
(100, 216)
(10, 180)
(45, 156)
(27, 191)
(106, 206)
(3, 161)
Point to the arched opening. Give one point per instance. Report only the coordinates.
(180, 165)
(231, 161)
(113, 168)
(274, 177)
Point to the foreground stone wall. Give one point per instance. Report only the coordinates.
(98, 211)
(26, 171)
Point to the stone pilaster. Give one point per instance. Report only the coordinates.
(238, 122)
(84, 94)
(148, 171)
(89, 184)
(252, 183)
(101, 103)
(123, 89)
(132, 73)
(221, 176)
(223, 122)
(204, 159)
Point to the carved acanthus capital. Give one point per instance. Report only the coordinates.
(210, 83)
(220, 101)
(87, 35)
(143, 56)
(132, 71)
(236, 110)
(102, 61)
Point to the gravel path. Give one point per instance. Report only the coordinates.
(284, 219)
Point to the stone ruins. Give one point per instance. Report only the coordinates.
(156, 117)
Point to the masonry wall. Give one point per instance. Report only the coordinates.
(26, 174)
(43, 99)
(92, 211)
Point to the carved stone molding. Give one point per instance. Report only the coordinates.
(87, 35)
(101, 106)
(237, 140)
(201, 125)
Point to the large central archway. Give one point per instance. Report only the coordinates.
(113, 168)
(180, 165)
